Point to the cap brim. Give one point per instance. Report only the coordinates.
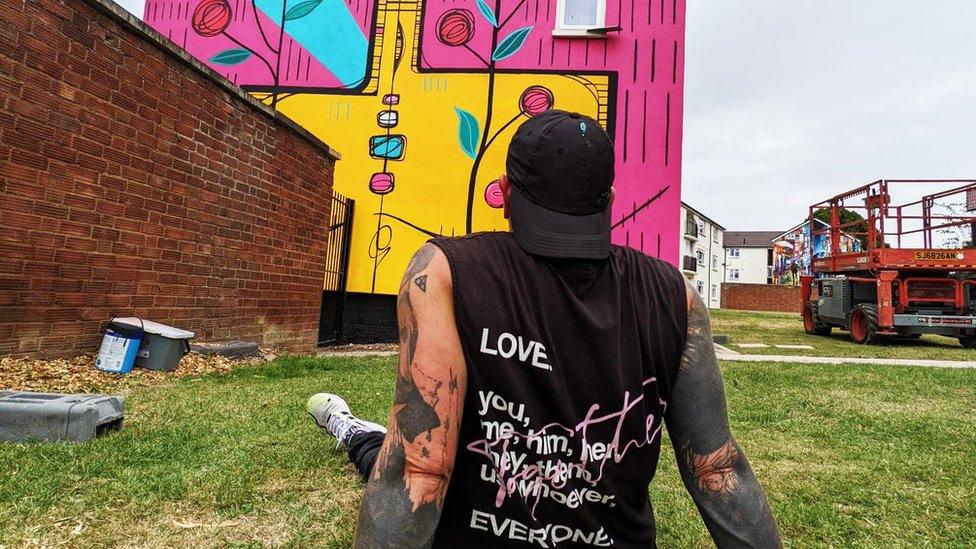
(541, 231)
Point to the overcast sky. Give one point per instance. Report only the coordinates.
(788, 103)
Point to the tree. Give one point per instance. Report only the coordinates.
(859, 231)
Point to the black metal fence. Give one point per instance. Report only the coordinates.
(336, 269)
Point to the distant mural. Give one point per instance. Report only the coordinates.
(795, 250)
(421, 99)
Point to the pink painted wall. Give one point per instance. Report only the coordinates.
(644, 60)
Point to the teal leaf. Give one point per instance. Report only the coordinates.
(511, 44)
(232, 56)
(488, 13)
(301, 9)
(468, 132)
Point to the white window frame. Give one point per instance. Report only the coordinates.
(580, 30)
(714, 291)
(714, 262)
(700, 256)
(734, 252)
(733, 274)
(700, 286)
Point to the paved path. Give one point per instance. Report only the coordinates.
(846, 360)
(725, 353)
(356, 353)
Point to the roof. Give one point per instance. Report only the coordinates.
(710, 220)
(749, 239)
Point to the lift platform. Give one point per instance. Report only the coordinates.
(915, 269)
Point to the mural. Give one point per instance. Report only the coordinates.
(421, 97)
(795, 250)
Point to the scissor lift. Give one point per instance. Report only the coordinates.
(885, 290)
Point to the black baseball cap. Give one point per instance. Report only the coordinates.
(560, 165)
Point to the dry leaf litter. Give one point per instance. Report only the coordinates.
(79, 375)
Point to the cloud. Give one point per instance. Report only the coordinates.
(788, 103)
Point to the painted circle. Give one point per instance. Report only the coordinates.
(455, 27)
(211, 17)
(536, 100)
(494, 196)
(381, 183)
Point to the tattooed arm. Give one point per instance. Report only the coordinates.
(406, 490)
(712, 465)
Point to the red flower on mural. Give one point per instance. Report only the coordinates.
(211, 17)
(535, 100)
(455, 27)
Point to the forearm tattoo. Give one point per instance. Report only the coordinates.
(713, 467)
(406, 491)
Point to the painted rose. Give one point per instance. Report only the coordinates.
(455, 27)
(535, 100)
(211, 17)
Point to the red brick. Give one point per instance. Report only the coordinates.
(120, 202)
(761, 297)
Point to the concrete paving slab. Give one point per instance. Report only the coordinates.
(793, 346)
(793, 359)
(719, 349)
(751, 345)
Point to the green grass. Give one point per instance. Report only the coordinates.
(849, 455)
(787, 328)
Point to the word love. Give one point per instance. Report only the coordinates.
(508, 345)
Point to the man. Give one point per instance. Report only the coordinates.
(535, 370)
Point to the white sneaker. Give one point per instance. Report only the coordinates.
(331, 413)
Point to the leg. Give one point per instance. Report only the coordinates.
(363, 448)
(362, 438)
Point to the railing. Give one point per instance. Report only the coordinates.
(336, 268)
(690, 263)
(691, 228)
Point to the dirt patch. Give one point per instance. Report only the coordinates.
(360, 348)
(79, 375)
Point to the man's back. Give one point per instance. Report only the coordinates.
(570, 365)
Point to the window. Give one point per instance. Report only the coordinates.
(701, 287)
(701, 257)
(733, 274)
(714, 234)
(733, 252)
(714, 262)
(714, 291)
(580, 15)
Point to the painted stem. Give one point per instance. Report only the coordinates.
(254, 53)
(281, 40)
(473, 179)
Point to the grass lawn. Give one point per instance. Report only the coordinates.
(787, 328)
(850, 456)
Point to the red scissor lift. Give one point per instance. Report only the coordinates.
(885, 290)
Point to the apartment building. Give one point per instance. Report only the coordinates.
(749, 256)
(702, 256)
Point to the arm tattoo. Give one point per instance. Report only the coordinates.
(713, 467)
(408, 485)
(714, 473)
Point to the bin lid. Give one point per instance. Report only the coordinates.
(151, 327)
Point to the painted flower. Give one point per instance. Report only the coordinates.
(455, 27)
(535, 100)
(494, 196)
(211, 17)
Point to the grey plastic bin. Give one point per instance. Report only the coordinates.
(54, 417)
(162, 346)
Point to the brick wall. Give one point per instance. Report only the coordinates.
(761, 297)
(134, 181)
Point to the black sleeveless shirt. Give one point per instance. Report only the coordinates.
(570, 367)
